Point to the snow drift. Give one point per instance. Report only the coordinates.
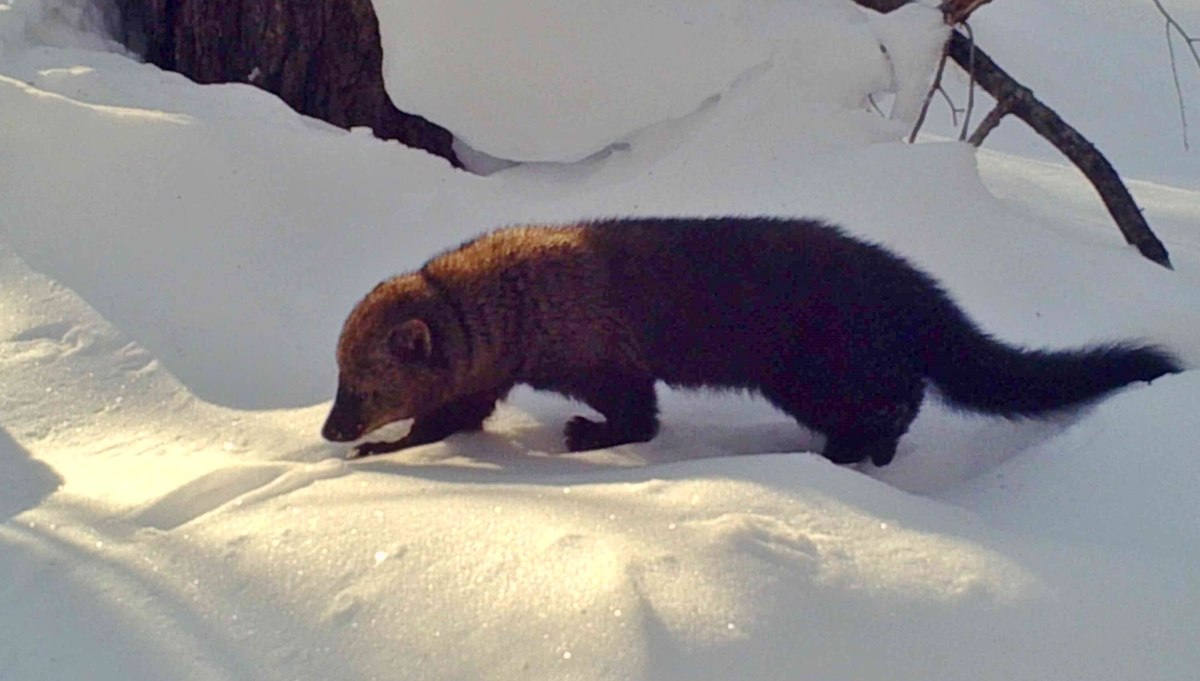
(176, 261)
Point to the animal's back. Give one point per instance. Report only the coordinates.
(737, 302)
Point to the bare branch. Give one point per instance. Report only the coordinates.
(875, 106)
(970, 86)
(957, 11)
(936, 87)
(989, 123)
(1014, 98)
(954, 109)
(1024, 105)
(1178, 90)
(1172, 25)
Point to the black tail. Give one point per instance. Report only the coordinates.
(977, 372)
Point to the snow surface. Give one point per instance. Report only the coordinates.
(556, 80)
(1103, 65)
(176, 261)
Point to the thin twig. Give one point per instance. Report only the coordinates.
(871, 99)
(957, 11)
(937, 85)
(962, 135)
(1191, 45)
(954, 110)
(989, 123)
(1178, 89)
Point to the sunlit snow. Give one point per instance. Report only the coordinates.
(176, 261)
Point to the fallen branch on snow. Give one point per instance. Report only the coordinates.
(1012, 97)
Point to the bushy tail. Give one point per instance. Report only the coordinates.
(977, 372)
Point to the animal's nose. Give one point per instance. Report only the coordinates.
(343, 424)
(334, 433)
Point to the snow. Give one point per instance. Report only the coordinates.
(176, 261)
(912, 36)
(1103, 65)
(549, 80)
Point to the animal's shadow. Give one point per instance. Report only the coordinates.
(25, 481)
(943, 448)
(535, 452)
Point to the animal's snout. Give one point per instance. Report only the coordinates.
(337, 432)
(345, 419)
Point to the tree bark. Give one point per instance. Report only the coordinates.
(322, 57)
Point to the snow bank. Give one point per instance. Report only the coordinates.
(175, 263)
(559, 80)
(912, 37)
(1088, 482)
(82, 24)
(1103, 66)
(190, 238)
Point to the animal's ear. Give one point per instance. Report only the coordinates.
(411, 342)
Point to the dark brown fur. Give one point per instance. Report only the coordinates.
(840, 334)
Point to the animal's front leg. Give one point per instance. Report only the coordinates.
(628, 403)
(464, 414)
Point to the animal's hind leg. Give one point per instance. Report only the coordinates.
(863, 420)
(628, 403)
(853, 448)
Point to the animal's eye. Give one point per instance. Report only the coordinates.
(411, 342)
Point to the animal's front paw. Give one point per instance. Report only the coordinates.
(369, 448)
(583, 434)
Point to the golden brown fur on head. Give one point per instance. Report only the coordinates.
(443, 344)
(395, 358)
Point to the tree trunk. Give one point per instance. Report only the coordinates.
(322, 57)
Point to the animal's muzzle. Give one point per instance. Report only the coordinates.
(345, 419)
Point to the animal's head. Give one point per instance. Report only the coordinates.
(393, 360)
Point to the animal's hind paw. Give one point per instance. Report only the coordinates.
(583, 433)
(851, 451)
